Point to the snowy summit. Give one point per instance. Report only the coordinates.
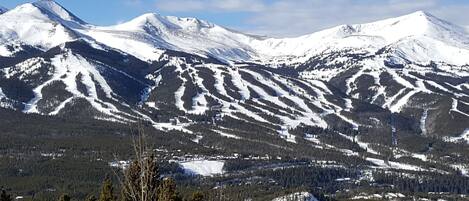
(147, 34)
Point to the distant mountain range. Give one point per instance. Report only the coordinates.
(407, 75)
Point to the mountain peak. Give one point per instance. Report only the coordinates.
(421, 13)
(424, 16)
(166, 22)
(42, 24)
(416, 24)
(190, 23)
(53, 9)
(144, 21)
(421, 16)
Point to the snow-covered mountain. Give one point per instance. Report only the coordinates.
(389, 95)
(42, 25)
(146, 35)
(408, 73)
(439, 40)
(418, 37)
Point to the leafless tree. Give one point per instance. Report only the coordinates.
(141, 177)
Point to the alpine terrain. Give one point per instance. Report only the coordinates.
(374, 111)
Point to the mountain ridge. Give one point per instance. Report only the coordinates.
(391, 95)
(54, 8)
(151, 32)
(149, 38)
(244, 47)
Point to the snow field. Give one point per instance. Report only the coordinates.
(203, 167)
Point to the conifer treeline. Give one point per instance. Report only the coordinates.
(142, 180)
(4, 196)
(165, 191)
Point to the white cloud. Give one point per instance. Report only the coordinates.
(210, 5)
(296, 17)
(240, 5)
(287, 18)
(180, 5)
(133, 2)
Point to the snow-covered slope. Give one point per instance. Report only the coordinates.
(57, 12)
(439, 40)
(203, 167)
(75, 73)
(143, 35)
(418, 36)
(43, 24)
(405, 74)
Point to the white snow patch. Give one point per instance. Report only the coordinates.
(2, 95)
(224, 134)
(351, 80)
(420, 156)
(454, 108)
(219, 81)
(363, 145)
(147, 91)
(402, 102)
(463, 168)
(120, 164)
(299, 196)
(61, 106)
(423, 122)
(312, 138)
(197, 139)
(169, 126)
(286, 135)
(203, 167)
(239, 83)
(199, 102)
(387, 196)
(394, 165)
(178, 97)
(464, 137)
(348, 104)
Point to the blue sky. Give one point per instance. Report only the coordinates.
(265, 17)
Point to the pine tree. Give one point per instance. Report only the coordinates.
(64, 197)
(167, 190)
(4, 196)
(107, 193)
(197, 196)
(141, 180)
